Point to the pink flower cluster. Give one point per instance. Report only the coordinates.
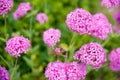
(4, 75)
(79, 21)
(114, 58)
(17, 45)
(51, 37)
(23, 8)
(92, 54)
(117, 17)
(83, 22)
(110, 3)
(101, 26)
(41, 18)
(65, 71)
(5, 6)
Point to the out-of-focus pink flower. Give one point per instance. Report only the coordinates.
(22, 9)
(5, 6)
(17, 45)
(114, 58)
(51, 37)
(117, 17)
(4, 75)
(116, 29)
(110, 3)
(79, 21)
(101, 26)
(41, 18)
(92, 54)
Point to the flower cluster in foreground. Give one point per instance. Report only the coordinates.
(92, 54)
(51, 37)
(4, 75)
(65, 71)
(17, 45)
(22, 9)
(82, 22)
(114, 58)
(5, 6)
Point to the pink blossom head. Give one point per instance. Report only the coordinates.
(22, 9)
(101, 26)
(75, 71)
(114, 58)
(51, 37)
(92, 54)
(110, 3)
(79, 21)
(41, 18)
(17, 45)
(5, 6)
(4, 75)
(56, 71)
(117, 17)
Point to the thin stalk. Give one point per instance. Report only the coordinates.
(14, 69)
(5, 61)
(5, 26)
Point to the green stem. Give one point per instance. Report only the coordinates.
(30, 30)
(14, 69)
(5, 25)
(5, 61)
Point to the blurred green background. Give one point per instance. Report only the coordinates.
(31, 66)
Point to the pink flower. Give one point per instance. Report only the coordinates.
(92, 54)
(114, 58)
(65, 71)
(110, 3)
(4, 75)
(17, 45)
(41, 18)
(75, 71)
(79, 21)
(56, 71)
(101, 26)
(51, 37)
(117, 17)
(5, 6)
(23, 8)
(116, 29)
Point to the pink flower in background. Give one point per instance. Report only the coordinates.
(114, 58)
(51, 37)
(22, 9)
(17, 45)
(79, 21)
(101, 26)
(110, 3)
(4, 75)
(65, 71)
(75, 71)
(92, 54)
(117, 17)
(42, 18)
(56, 71)
(5, 6)
(116, 29)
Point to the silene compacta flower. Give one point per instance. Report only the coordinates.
(17, 45)
(4, 75)
(5, 6)
(51, 37)
(79, 21)
(65, 71)
(22, 9)
(114, 58)
(110, 3)
(42, 18)
(117, 17)
(100, 26)
(92, 54)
